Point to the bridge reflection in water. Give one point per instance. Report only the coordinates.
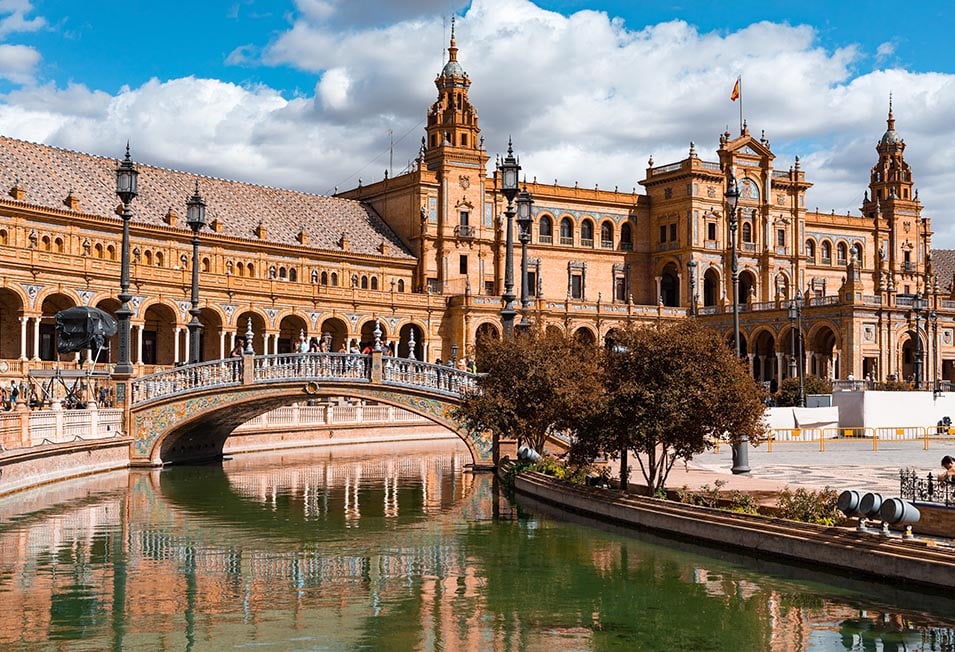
(395, 549)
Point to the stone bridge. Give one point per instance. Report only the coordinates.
(187, 413)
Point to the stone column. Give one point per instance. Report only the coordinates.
(23, 338)
(187, 348)
(36, 338)
(175, 345)
(222, 349)
(139, 344)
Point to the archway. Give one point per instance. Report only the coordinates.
(291, 328)
(711, 287)
(670, 286)
(747, 287)
(368, 334)
(822, 350)
(486, 332)
(110, 353)
(334, 334)
(258, 330)
(585, 336)
(765, 360)
(404, 341)
(211, 343)
(52, 305)
(158, 336)
(11, 308)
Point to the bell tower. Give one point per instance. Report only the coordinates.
(902, 236)
(452, 120)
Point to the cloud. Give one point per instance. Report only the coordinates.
(585, 98)
(16, 21)
(18, 63)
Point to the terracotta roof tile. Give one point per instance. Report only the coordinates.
(48, 174)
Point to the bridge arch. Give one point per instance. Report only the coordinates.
(187, 413)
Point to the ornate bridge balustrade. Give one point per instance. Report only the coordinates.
(187, 413)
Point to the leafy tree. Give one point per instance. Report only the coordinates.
(669, 392)
(536, 383)
(788, 393)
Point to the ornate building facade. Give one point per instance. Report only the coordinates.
(422, 254)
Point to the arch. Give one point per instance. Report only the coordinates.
(842, 253)
(45, 243)
(98, 250)
(486, 332)
(626, 236)
(335, 333)
(782, 285)
(670, 285)
(364, 282)
(291, 328)
(158, 334)
(401, 285)
(859, 250)
(160, 259)
(283, 273)
(273, 271)
(822, 344)
(109, 353)
(49, 306)
(250, 270)
(404, 341)
(292, 275)
(374, 282)
(747, 287)
(825, 252)
(765, 362)
(11, 308)
(334, 279)
(324, 278)
(587, 232)
(566, 231)
(586, 336)
(747, 231)
(811, 251)
(111, 252)
(743, 343)
(606, 234)
(545, 229)
(367, 333)
(553, 330)
(205, 265)
(4, 237)
(711, 287)
(211, 335)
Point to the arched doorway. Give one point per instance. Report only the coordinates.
(822, 354)
(670, 286)
(747, 287)
(258, 330)
(711, 287)
(486, 332)
(158, 336)
(291, 328)
(212, 345)
(765, 361)
(109, 353)
(11, 308)
(334, 334)
(404, 342)
(368, 334)
(52, 305)
(585, 336)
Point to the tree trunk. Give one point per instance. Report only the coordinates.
(624, 471)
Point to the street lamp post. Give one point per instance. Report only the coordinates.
(918, 303)
(524, 203)
(740, 447)
(126, 176)
(691, 273)
(936, 384)
(196, 219)
(509, 168)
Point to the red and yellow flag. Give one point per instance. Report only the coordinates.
(735, 94)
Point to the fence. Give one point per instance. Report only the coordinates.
(819, 437)
(310, 416)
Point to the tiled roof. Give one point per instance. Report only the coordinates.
(48, 174)
(943, 261)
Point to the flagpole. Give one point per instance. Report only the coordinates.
(739, 80)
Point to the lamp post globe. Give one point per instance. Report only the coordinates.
(196, 219)
(509, 169)
(126, 188)
(524, 204)
(740, 450)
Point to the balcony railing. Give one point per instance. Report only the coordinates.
(545, 239)
(587, 242)
(569, 242)
(465, 231)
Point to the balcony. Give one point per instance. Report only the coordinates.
(587, 242)
(465, 231)
(606, 244)
(567, 242)
(545, 239)
(908, 267)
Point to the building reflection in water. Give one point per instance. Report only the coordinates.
(388, 549)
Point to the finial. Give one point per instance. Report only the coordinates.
(377, 333)
(650, 161)
(797, 162)
(248, 337)
(692, 149)
(452, 30)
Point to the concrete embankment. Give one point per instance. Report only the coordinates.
(891, 559)
(23, 468)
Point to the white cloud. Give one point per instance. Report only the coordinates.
(17, 21)
(18, 63)
(586, 100)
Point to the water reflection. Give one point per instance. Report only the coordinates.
(395, 549)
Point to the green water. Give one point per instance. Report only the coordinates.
(397, 550)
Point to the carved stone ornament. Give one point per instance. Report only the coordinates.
(465, 181)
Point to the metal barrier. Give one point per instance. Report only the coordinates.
(819, 436)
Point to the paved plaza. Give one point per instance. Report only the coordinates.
(844, 464)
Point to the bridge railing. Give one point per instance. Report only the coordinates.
(284, 367)
(435, 377)
(181, 380)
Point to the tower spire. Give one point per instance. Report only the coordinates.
(890, 122)
(453, 47)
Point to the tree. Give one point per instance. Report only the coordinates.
(670, 392)
(535, 384)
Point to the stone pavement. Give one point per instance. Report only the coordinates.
(845, 464)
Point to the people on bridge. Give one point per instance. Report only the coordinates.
(948, 475)
(238, 349)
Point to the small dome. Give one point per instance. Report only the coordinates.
(891, 137)
(452, 69)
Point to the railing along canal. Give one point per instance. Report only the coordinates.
(925, 490)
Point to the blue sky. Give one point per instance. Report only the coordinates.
(306, 93)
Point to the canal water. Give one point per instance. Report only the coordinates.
(398, 549)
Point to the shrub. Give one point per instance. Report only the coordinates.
(788, 394)
(809, 506)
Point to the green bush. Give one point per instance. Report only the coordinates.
(809, 506)
(788, 394)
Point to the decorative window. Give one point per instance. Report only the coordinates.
(606, 235)
(780, 237)
(663, 233)
(711, 230)
(374, 282)
(842, 253)
(673, 232)
(566, 232)
(626, 237)
(334, 279)
(810, 251)
(586, 233)
(401, 285)
(825, 251)
(747, 232)
(545, 230)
